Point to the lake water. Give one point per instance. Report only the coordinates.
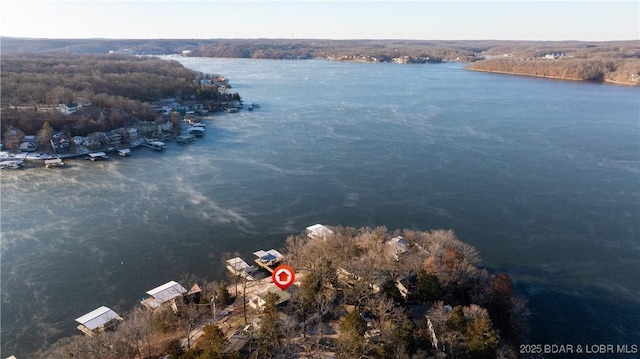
(541, 176)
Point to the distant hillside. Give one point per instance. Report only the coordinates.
(611, 61)
(616, 62)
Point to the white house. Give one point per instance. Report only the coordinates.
(98, 320)
(258, 300)
(68, 108)
(318, 231)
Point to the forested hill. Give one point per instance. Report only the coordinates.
(609, 61)
(606, 62)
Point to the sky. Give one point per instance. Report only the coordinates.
(356, 19)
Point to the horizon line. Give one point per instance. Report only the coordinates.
(303, 39)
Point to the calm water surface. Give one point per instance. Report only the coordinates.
(542, 176)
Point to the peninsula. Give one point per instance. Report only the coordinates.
(66, 105)
(359, 292)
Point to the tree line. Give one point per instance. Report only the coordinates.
(116, 90)
(610, 62)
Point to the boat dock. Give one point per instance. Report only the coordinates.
(268, 260)
(124, 152)
(155, 145)
(52, 163)
(97, 156)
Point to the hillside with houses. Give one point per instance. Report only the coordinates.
(69, 105)
(358, 292)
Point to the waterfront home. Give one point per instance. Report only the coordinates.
(397, 246)
(165, 294)
(113, 138)
(68, 108)
(257, 301)
(318, 231)
(28, 146)
(239, 267)
(98, 320)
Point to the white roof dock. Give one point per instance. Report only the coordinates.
(318, 231)
(268, 259)
(97, 319)
(271, 255)
(164, 293)
(124, 152)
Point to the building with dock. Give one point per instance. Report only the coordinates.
(54, 162)
(98, 320)
(319, 231)
(268, 259)
(239, 267)
(165, 294)
(155, 145)
(97, 156)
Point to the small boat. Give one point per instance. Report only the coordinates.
(11, 164)
(96, 156)
(124, 152)
(52, 163)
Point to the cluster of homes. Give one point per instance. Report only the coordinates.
(172, 293)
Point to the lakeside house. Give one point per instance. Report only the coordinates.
(165, 294)
(68, 108)
(397, 246)
(98, 320)
(257, 301)
(319, 231)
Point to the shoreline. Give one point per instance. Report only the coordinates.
(612, 82)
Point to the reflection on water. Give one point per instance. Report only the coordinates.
(541, 176)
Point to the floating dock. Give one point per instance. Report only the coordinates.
(155, 145)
